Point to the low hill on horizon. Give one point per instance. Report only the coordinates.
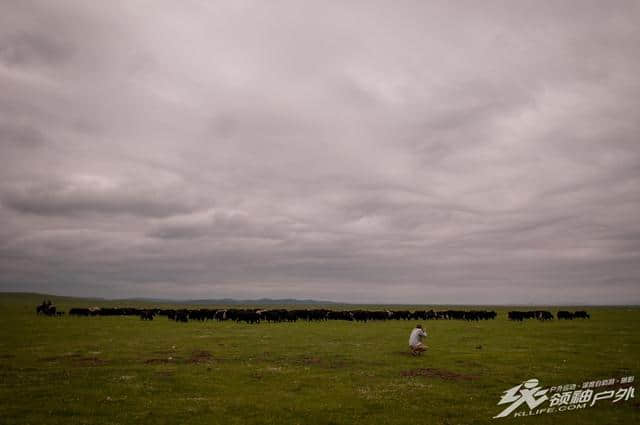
(202, 301)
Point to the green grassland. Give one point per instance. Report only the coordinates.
(121, 370)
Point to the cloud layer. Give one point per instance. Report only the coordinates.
(420, 152)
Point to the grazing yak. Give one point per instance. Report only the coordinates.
(537, 314)
(146, 315)
(247, 316)
(339, 315)
(182, 316)
(220, 315)
(567, 315)
(399, 315)
(47, 309)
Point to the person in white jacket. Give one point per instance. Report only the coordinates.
(415, 340)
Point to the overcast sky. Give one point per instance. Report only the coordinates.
(360, 151)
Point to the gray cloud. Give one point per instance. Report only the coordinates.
(217, 224)
(81, 194)
(414, 152)
(32, 49)
(16, 135)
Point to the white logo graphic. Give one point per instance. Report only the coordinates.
(523, 393)
(564, 398)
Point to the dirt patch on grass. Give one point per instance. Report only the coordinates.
(88, 361)
(337, 364)
(430, 372)
(76, 360)
(65, 356)
(200, 356)
(50, 359)
(311, 360)
(163, 360)
(328, 363)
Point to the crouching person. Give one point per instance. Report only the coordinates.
(415, 341)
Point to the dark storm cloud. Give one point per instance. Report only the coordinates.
(32, 49)
(89, 194)
(217, 224)
(20, 135)
(406, 152)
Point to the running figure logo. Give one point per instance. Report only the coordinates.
(523, 393)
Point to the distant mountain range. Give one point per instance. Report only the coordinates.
(202, 301)
(230, 301)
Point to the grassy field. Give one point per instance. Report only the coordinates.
(121, 370)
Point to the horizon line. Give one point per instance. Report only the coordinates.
(303, 300)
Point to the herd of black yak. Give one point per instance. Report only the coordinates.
(546, 315)
(256, 315)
